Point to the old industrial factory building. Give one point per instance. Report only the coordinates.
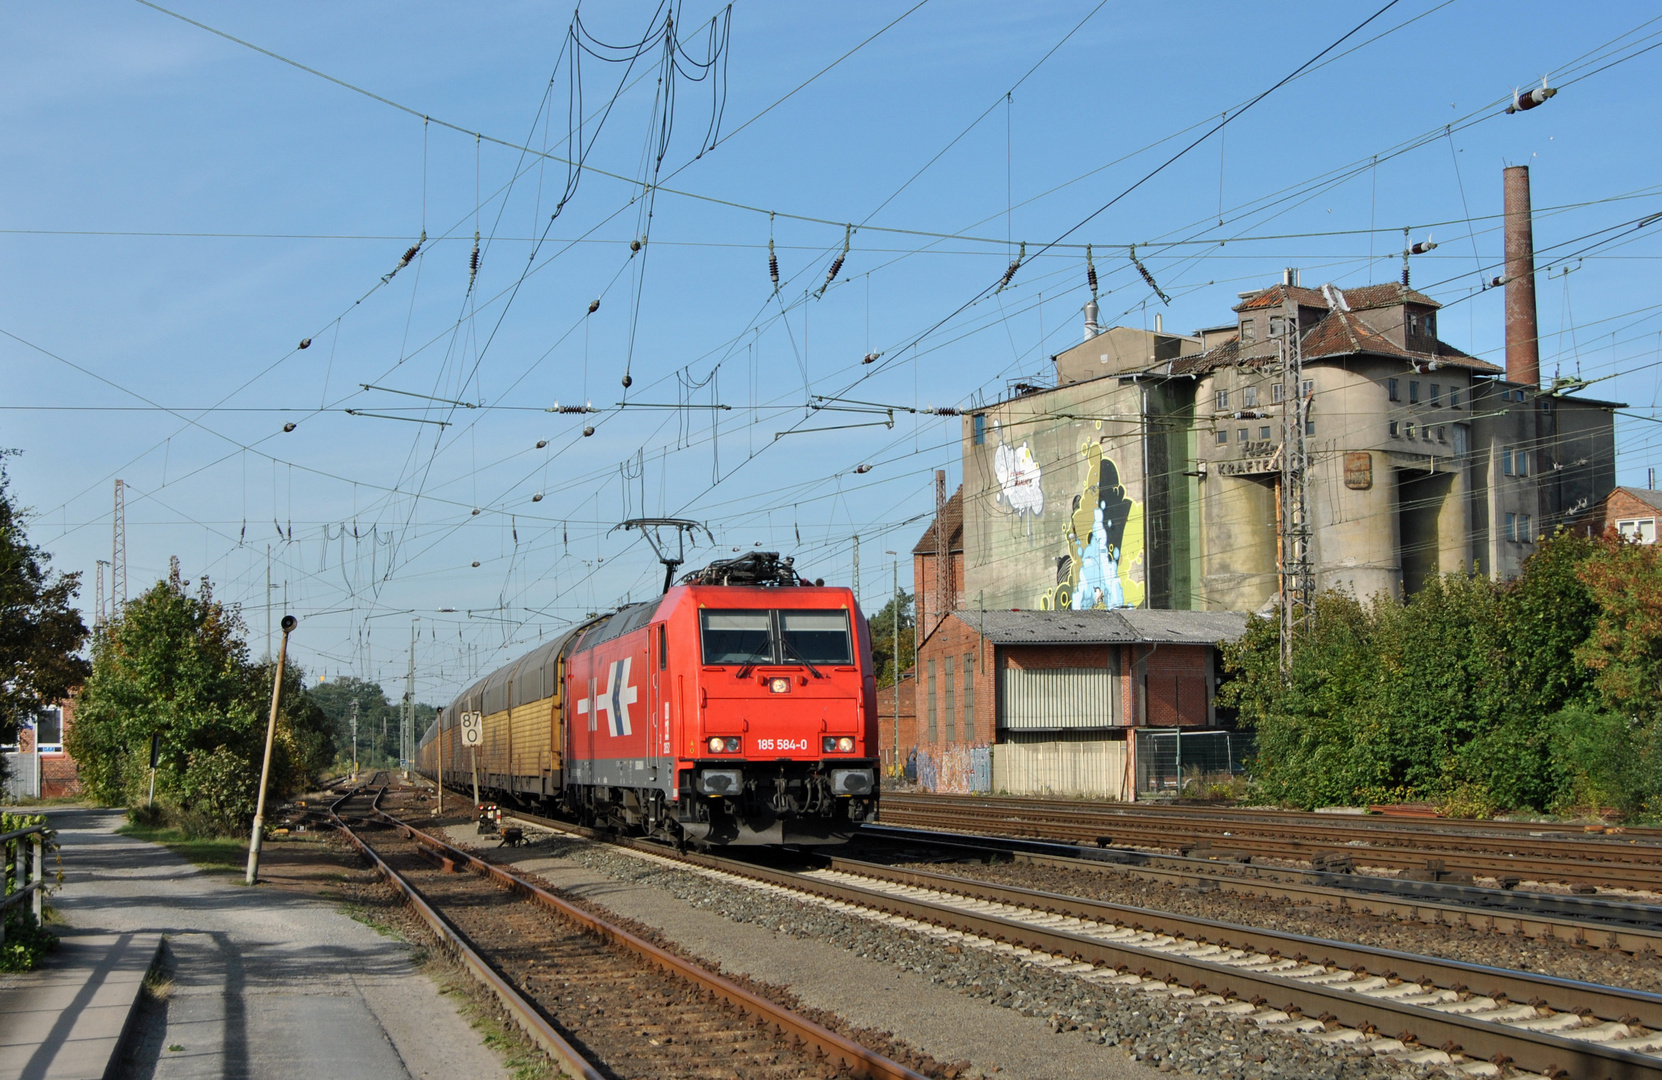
(1112, 529)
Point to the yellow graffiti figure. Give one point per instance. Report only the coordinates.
(1105, 543)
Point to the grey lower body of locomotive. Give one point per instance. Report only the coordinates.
(728, 803)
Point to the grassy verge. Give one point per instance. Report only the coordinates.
(217, 855)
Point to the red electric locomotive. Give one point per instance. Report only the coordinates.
(739, 708)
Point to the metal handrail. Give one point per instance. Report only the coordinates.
(36, 887)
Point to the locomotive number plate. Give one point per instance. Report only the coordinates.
(781, 744)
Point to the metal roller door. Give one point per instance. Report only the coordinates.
(1057, 699)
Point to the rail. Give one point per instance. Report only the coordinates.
(15, 891)
(524, 1013)
(858, 1059)
(1357, 986)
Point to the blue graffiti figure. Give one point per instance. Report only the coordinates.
(1099, 577)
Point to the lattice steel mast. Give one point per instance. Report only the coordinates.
(1297, 576)
(118, 553)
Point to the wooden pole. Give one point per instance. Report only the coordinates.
(254, 839)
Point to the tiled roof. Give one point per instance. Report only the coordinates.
(1652, 499)
(954, 515)
(1385, 295)
(1278, 294)
(1336, 334)
(1125, 626)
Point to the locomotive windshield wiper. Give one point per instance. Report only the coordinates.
(749, 662)
(792, 649)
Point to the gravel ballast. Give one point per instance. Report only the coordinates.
(1154, 1029)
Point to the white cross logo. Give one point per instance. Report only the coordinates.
(586, 706)
(619, 696)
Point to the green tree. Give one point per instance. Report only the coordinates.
(883, 642)
(40, 633)
(378, 718)
(175, 666)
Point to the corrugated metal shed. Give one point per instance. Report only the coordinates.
(1128, 626)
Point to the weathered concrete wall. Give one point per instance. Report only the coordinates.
(1048, 466)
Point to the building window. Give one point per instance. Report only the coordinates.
(951, 712)
(1242, 435)
(1222, 398)
(1526, 534)
(1425, 434)
(1454, 397)
(49, 731)
(1462, 439)
(969, 697)
(1278, 325)
(1408, 430)
(1249, 330)
(1249, 397)
(1640, 530)
(1511, 526)
(1391, 389)
(1309, 427)
(1437, 394)
(934, 733)
(1264, 433)
(1396, 432)
(1413, 392)
(1275, 394)
(980, 428)
(1520, 461)
(1307, 389)
(1506, 461)
(1223, 436)
(1442, 433)
(1429, 322)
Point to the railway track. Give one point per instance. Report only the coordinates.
(1506, 851)
(1480, 1021)
(1585, 922)
(600, 1000)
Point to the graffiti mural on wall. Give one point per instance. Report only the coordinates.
(1018, 478)
(1104, 564)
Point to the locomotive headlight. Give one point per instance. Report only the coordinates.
(734, 743)
(845, 745)
(716, 744)
(780, 685)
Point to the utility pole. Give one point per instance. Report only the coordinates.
(1297, 578)
(409, 702)
(289, 623)
(268, 601)
(354, 738)
(118, 552)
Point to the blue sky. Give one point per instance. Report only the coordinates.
(181, 210)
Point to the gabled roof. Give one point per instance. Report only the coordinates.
(1120, 626)
(1276, 295)
(1652, 499)
(954, 517)
(1337, 333)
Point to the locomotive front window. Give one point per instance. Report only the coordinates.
(819, 637)
(737, 637)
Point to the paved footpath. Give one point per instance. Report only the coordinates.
(267, 985)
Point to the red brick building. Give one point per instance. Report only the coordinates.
(1031, 701)
(53, 774)
(1633, 512)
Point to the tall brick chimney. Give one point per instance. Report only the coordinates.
(1523, 349)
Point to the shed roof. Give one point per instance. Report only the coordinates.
(1122, 626)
